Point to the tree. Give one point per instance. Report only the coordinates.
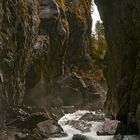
(100, 36)
(99, 45)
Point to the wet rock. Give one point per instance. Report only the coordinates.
(33, 125)
(33, 109)
(138, 117)
(13, 112)
(62, 134)
(79, 137)
(81, 125)
(73, 80)
(92, 117)
(31, 121)
(18, 117)
(68, 109)
(57, 113)
(49, 128)
(72, 90)
(8, 133)
(21, 136)
(118, 137)
(112, 127)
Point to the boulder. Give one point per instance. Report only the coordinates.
(112, 127)
(81, 125)
(49, 128)
(22, 136)
(23, 119)
(60, 135)
(79, 137)
(92, 117)
(72, 90)
(33, 125)
(31, 121)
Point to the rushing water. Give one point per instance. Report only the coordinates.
(96, 126)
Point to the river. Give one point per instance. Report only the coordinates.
(96, 126)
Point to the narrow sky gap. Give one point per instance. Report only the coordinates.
(95, 17)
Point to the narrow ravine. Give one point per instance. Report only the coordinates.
(66, 120)
(62, 67)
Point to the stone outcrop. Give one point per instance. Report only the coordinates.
(34, 37)
(80, 24)
(41, 40)
(58, 23)
(37, 40)
(27, 123)
(18, 33)
(122, 28)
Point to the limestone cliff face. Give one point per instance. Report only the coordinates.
(122, 28)
(80, 22)
(38, 39)
(19, 27)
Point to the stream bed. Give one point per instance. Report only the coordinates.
(95, 126)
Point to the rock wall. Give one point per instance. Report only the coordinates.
(18, 34)
(121, 21)
(80, 24)
(37, 42)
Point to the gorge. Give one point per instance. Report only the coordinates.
(46, 63)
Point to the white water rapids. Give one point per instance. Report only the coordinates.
(96, 126)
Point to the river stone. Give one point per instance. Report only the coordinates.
(79, 137)
(49, 128)
(92, 117)
(114, 127)
(109, 127)
(21, 136)
(81, 125)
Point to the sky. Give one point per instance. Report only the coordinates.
(95, 16)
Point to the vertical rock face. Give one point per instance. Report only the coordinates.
(122, 27)
(18, 32)
(80, 22)
(37, 40)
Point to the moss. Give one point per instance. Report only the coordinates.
(24, 11)
(19, 33)
(63, 17)
(20, 25)
(61, 4)
(65, 24)
(77, 8)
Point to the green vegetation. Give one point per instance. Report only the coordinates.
(98, 51)
(99, 45)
